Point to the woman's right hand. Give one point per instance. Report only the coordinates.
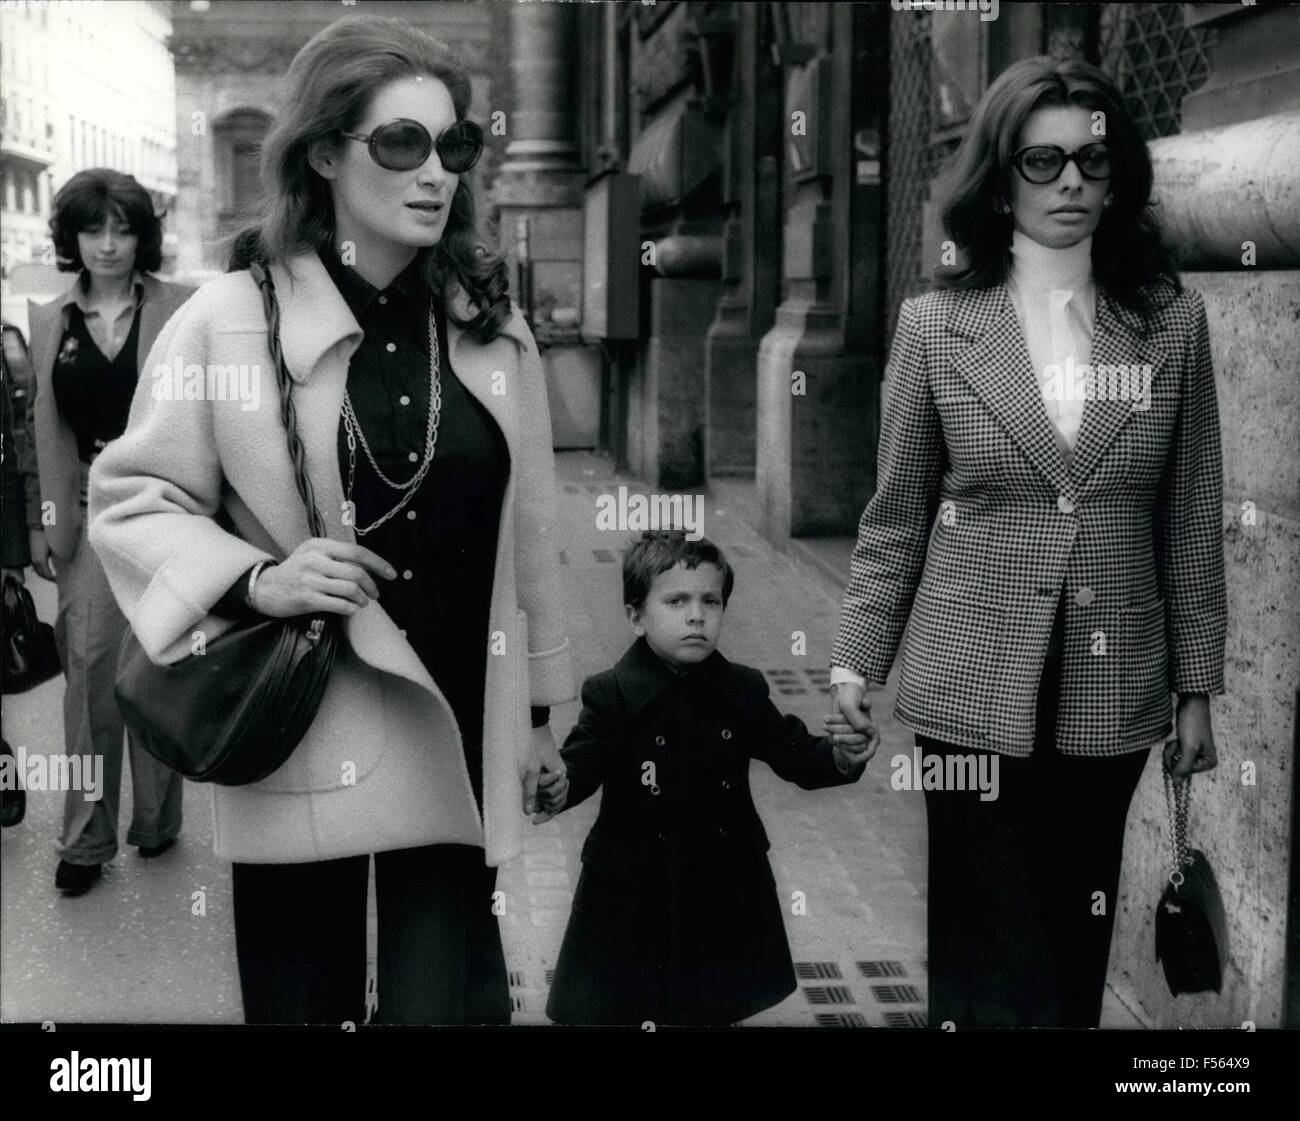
(321, 575)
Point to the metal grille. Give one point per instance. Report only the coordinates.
(896, 994)
(828, 994)
(840, 1020)
(817, 971)
(907, 165)
(1154, 59)
(881, 969)
(904, 1019)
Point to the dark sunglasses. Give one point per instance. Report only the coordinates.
(403, 144)
(1043, 163)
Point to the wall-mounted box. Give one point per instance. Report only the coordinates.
(611, 254)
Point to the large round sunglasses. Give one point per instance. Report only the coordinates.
(1043, 163)
(404, 144)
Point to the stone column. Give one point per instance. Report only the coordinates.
(538, 189)
(1230, 178)
(751, 255)
(819, 366)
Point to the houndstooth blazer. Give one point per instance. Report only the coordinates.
(976, 526)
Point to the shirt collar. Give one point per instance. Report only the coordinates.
(78, 294)
(1040, 269)
(359, 294)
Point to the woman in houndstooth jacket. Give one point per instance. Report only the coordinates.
(1053, 404)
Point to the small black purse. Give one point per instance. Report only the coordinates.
(235, 713)
(1191, 928)
(28, 653)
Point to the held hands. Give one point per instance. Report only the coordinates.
(850, 727)
(542, 772)
(320, 575)
(1192, 750)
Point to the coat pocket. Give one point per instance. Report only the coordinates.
(951, 653)
(1144, 676)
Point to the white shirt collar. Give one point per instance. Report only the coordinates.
(1038, 269)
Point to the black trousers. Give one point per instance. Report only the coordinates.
(300, 931)
(1022, 888)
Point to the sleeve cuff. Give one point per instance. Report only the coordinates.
(841, 674)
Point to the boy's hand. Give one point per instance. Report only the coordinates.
(552, 793)
(851, 747)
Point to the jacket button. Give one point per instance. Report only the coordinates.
(726, 733)
(1084, 597)
(722, 830)
(662, 837)
(659, 741)
(726, 784)
(1064, 504)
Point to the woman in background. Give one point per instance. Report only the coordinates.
(88, 349)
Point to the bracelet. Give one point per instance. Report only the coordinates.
(252, 580)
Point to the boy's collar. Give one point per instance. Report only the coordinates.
(642, 675)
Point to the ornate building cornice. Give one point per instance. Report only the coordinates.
(218, 54)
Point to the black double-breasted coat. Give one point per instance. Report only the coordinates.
(676, 917)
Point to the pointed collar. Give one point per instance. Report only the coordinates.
(78, 292)
(643, 677)
(314, 316)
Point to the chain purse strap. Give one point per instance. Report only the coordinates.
(1178, 795)
(297, 454)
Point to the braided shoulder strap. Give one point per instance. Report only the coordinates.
(288, 414)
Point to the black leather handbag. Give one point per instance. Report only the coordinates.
(234, 713)
(1191, 928)
(28, 652)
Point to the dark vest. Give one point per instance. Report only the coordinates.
(93, 394)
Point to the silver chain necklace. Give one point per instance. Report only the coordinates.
(352, 426)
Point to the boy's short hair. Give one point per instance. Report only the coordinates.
(658, 550)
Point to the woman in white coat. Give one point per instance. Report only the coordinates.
(422, 409)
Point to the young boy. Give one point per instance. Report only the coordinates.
(676, 919)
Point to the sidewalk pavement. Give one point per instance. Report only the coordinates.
(154, 942)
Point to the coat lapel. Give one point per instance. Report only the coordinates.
(997, 367)
(1115, 342)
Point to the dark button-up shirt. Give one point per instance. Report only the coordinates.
(443, 542)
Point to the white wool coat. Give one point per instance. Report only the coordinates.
(382, 765)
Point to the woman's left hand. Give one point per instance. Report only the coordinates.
(542, 754)
(1193, 749)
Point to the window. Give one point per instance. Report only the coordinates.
(238, 138)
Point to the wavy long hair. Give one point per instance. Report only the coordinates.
(330, 85)
(1129, 257)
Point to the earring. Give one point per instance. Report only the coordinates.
(1107, 200)
(1002, 207)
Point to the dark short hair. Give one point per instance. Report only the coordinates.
(656, 551)
(88, 199)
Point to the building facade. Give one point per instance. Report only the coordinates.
(85, 84)
(787, 161)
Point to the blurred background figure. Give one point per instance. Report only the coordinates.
(87, 349)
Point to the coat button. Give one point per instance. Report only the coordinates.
(722, 830)
(659, 741)
(726, 784)
(1064, 504)
(391, 347)
(661, 837)
(726, 733)
(1084, 597)
(404, 399)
